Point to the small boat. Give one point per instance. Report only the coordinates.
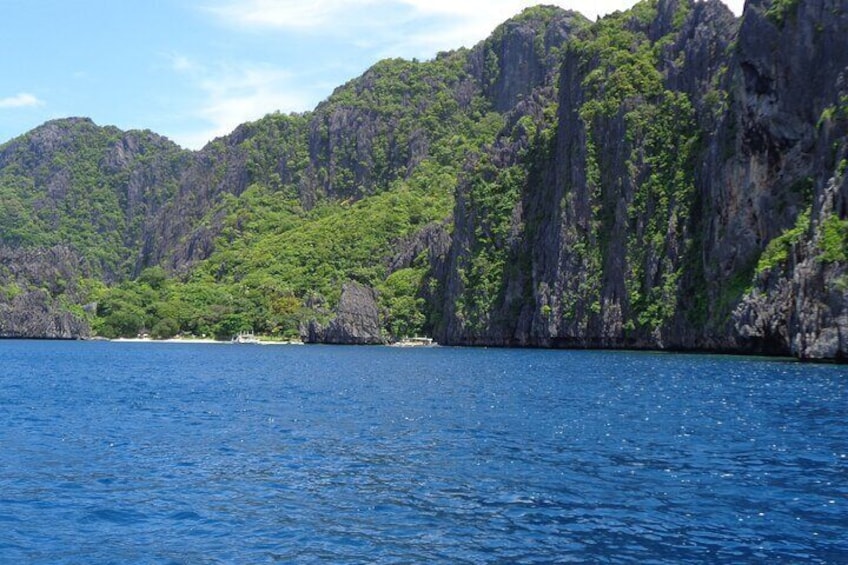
(245, 338)
(414, 342)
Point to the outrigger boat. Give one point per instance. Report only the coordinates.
(244, 338)
(414, 342)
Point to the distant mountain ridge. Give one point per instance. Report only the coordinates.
(669, 177)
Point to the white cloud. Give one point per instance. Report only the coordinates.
(290, 14)
(234, 94)
(181, 63)
(479, 17)
(296, 14)
(501, 10)
(372, 29)
(474, 18)
(405, 28)
(21, 100)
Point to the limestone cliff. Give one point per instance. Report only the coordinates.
(38, 287)
(667, 177)
(356, 320)
(97, 189)
(794, 120)
(685, 142)
(594, 229)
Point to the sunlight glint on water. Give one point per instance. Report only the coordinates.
(216, 454)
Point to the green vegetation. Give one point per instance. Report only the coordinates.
(77, 197)
(492, 194)
(624, 80)
(661, 206)
(776, 253)
(399, 297)
(334, 243)
(18, 223)
(260, 230)
(733, 289)
(834, 240)
(273, 258)
(278, 263)
(834, 112)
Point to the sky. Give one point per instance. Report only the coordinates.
(193, 70)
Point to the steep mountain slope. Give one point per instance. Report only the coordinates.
(95, 189)
(371, 132)
(265, 226)
(666, 177)
(43, 293)
(682, 149)
(792, 116)
(598, 226)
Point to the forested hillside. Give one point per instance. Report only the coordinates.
(666, 177)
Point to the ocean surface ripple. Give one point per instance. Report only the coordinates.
(189, 453)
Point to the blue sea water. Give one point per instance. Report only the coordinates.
(189, 453)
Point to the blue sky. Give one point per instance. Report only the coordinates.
(193, 70)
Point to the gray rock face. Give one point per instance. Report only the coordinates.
(583, 260)
(134, 174)
(356, 322)
(35, 314)
(795, 128)
(519, 56)
(801, 307)
(588, 248)
(575, 257)
(44, 281)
